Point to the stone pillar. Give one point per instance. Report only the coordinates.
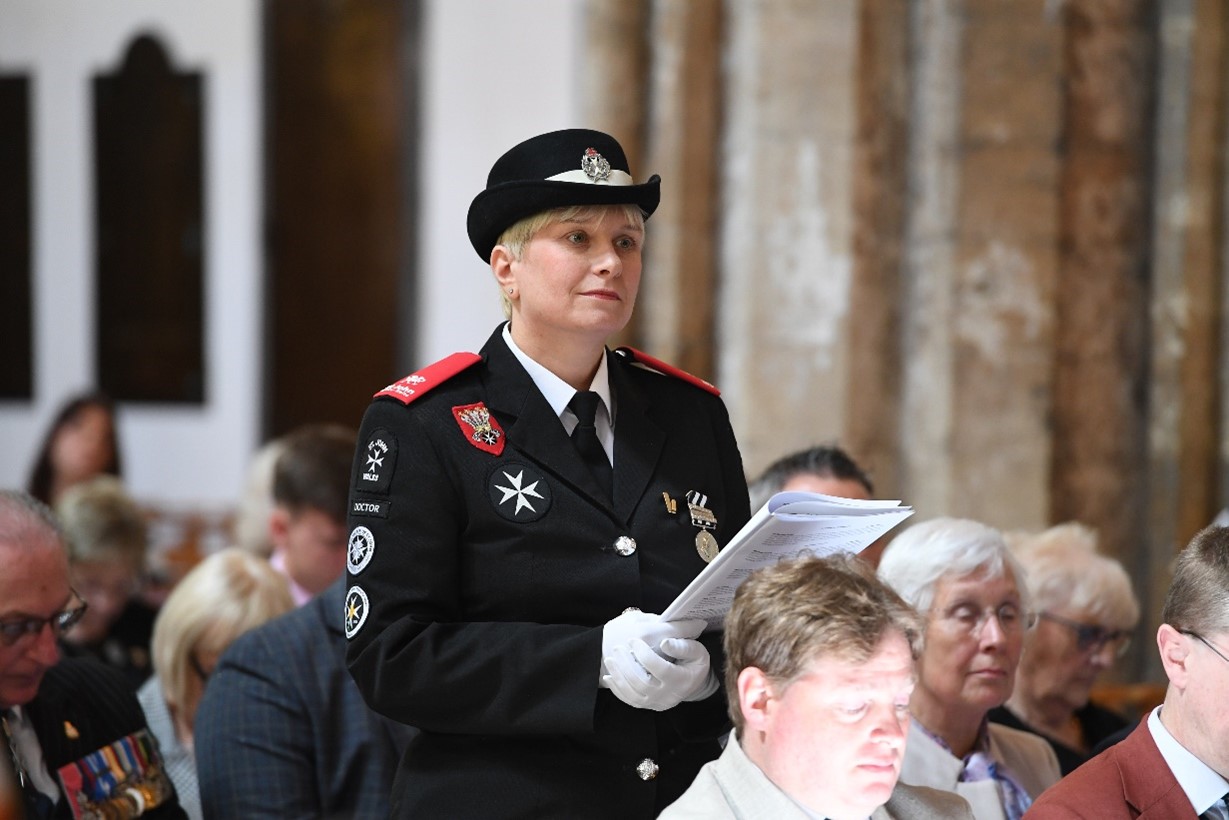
(678, 291)
(979, 260)
(784, 232)
(1187, 354)
(1100, 385)
(880, 181)
(614, 65)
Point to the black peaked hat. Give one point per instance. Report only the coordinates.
(556, 170)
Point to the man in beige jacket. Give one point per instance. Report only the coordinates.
(819, 669)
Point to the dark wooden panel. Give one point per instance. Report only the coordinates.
(337, 93)
(16, 323)
(150, 229)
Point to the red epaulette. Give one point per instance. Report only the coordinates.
(652, 363)
(431, 376)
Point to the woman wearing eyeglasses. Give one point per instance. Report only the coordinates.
(1086, 610)
(960, 575)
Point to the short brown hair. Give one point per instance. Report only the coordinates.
(787, 615)
(1198, 598)
(313, 470)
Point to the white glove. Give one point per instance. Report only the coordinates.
(636, 625)
(659, 680)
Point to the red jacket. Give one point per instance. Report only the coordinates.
(1127, 780)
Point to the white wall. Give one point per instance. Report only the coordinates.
(171, 454)
(494, 73)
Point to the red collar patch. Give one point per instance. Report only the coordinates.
(480, 428)
(642, 358)
(433, 375)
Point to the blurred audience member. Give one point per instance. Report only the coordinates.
(823, 469)
(971, 591)
(60, 717)
(107, 538)
(819, 667)
(224, 596)
(283, 731)
(256, 504)
(311, 487)
(80, 444)
(1086, 611)
(1176, 762)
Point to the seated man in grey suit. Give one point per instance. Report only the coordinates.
(819, 669)
(1175, 763)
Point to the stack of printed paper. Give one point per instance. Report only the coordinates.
(790, 524)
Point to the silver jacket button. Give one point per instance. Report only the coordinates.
(625, 545)
(647, 769)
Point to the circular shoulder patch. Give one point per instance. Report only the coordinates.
(356, 610)
(360, 549)
(519, 492)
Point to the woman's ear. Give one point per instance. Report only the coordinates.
(501, 266)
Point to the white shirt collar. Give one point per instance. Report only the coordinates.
(31, 753)
(555, 390)
(1203, 786)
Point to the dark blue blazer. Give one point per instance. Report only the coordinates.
(282, 731)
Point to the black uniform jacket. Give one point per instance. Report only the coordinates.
(483, 564)
(82, 706)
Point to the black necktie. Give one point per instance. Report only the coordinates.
(37, 804)
(584, 437)
(1213, 812)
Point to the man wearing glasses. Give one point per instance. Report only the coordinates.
(74, 732)
(1176, 762)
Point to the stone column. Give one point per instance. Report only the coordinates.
(979, 260)
(1100, 386)
(614, 84)
(880, 182)
(784, 232)
(678, 291)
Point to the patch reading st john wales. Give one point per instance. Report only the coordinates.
(375, 467)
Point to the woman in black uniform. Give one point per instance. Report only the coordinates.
(503, 576)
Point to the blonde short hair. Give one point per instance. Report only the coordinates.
(223, 596)
(102, 523)
(518, 234)
(789, 614)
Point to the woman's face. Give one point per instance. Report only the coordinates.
(82, 446)
(107, 586)
(974, 635)
(577, 278)
(1055, 669)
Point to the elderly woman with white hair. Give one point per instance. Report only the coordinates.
(964, 581)
(1086, 610)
